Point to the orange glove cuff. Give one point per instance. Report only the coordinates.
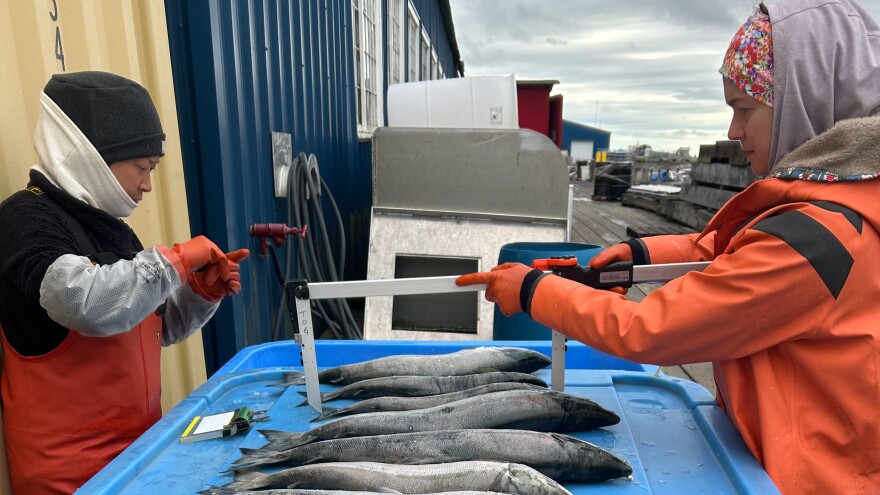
(180, 262)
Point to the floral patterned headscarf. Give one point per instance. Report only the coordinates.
(748, 62)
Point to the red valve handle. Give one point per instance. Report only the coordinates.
(276, 231)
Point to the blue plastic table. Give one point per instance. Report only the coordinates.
(672, 433)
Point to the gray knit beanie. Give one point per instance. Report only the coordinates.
(116, 114)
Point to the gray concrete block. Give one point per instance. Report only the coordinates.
(692, 215)
(723, 174)
(706, 196)
(723, 152)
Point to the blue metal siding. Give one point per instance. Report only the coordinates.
(242, 70)
(574, 131)
(431, 18)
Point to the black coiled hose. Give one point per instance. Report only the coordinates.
(316, 259)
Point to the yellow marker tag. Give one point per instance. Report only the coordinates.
(191, 425)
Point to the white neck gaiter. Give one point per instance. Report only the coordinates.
(71, 162)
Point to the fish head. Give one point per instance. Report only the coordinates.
(587, 412)
(609, 466)
(527, 358)
(533, 482)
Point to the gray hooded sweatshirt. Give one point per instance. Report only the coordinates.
(820, 80)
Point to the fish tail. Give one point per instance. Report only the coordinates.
(248, 480)
(329, 412)
(325, 396)
(284, 440)
(294, 378)
(254, 457)
(218, 490)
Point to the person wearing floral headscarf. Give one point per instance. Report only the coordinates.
(787, 310)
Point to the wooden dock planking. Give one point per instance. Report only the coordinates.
(606, 223)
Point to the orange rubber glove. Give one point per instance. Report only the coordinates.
(617, 252)
(505, 285)
(198, 252)
(209, 282)
(612, 254)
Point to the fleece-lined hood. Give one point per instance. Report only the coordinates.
(849, 149)
(820, 80)
(71, 162)
(841, 165)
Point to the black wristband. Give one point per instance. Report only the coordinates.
(639, 252)
(527, 289)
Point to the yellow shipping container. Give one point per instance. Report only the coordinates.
(128, 37)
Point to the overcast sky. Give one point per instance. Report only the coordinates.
(645, 70)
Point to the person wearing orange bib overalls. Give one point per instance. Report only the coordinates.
(84, 308)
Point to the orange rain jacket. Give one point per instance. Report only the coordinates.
(788, 312)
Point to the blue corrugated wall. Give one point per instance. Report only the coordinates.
(432, 19)
(243, 69)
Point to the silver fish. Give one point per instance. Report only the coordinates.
(418, 386)
(302, 491)
(536, 410)
(427, 478)
(393, 403)
(463, 362)
(561, 457)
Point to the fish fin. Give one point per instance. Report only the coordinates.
(294, 378)
(248, 480)
(306, 402)
(254, 457)
(217, 490)
(486, 369)
(388, 490)
(283, 440)
(324, 396)
(326, 412)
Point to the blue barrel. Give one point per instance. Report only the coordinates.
(520, 326)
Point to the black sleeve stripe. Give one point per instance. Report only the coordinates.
(746, 223)
(815, 243)
(854, 218)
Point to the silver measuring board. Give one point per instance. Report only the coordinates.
(358, 288)
(306, 340)
(665, 272)
(389, 287)
(438, 285)
(435, 285)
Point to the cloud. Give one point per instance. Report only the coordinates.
(646, 70)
